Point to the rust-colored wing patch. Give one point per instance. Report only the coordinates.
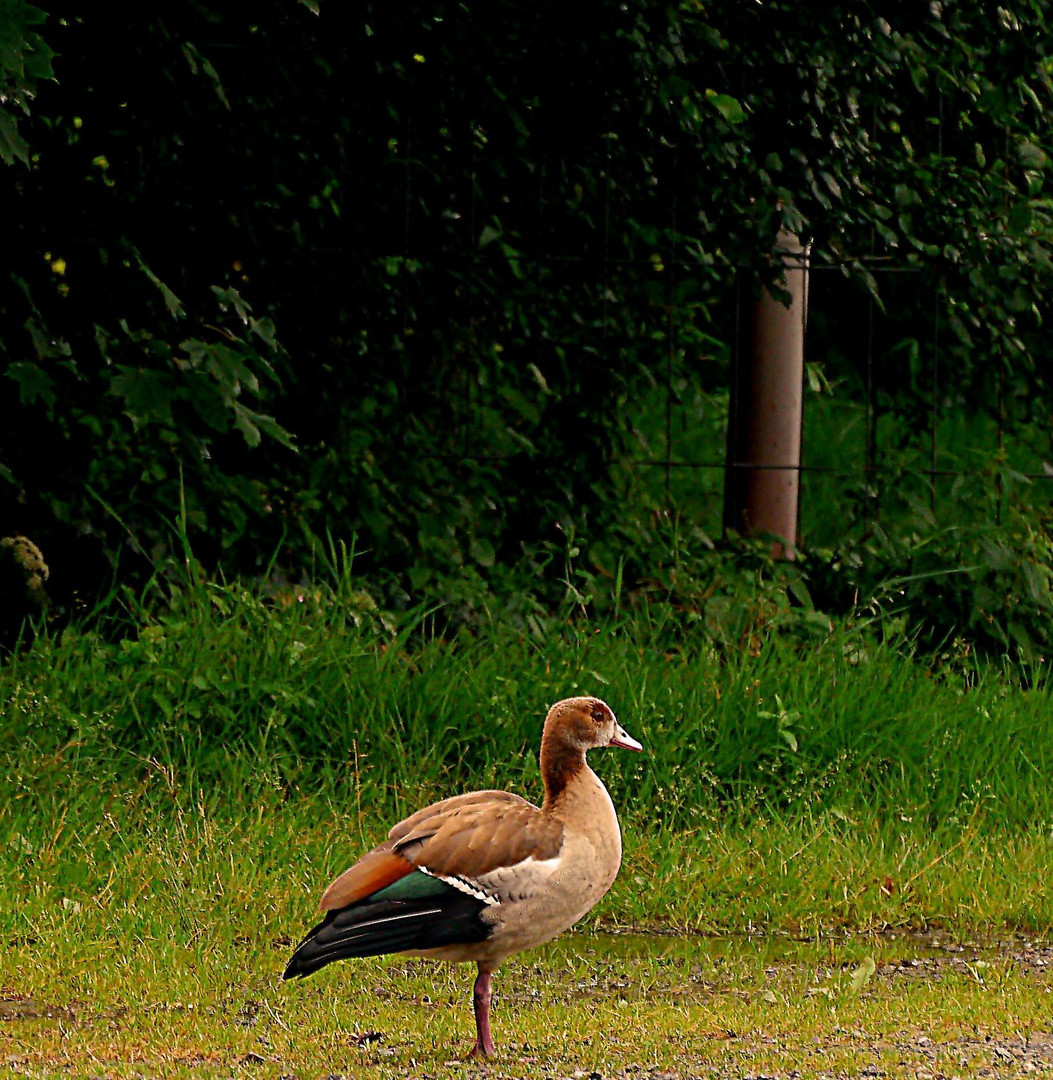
(375, 870)
(465, 836)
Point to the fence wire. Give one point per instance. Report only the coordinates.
(887, 428)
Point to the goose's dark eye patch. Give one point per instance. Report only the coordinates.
(599, 714)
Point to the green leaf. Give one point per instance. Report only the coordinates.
(46, 346)
(37, 59)
(481, 551)
(905, 196)
(832, 185)
(489, 234)
(196, 60)
(245, 422)
(1037, 579)
(862, 974)
(789, 738)
(207, 400)
(994, 102)
(172, 302)
(727, 106)
(34, 383)
(253, 426)
(147, 395)
(231, 298)
(12, 146)
(1032, 156)
(264, 330)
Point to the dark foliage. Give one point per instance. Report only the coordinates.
(480, 231)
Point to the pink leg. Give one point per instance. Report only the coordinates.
(484, 1044)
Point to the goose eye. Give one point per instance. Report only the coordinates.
(599, 714)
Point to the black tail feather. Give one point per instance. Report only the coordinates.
(387, 926)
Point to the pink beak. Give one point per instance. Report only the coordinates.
(623, 739)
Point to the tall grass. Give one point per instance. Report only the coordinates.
(251, 745)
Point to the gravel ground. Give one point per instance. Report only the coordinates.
(850, 1051)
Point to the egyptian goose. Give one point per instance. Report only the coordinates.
(484, 875)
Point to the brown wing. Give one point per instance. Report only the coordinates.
(452, 805)
(466, 835)
(475, 836)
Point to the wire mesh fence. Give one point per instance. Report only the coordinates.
(888, 423)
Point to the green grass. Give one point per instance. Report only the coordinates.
(795, 774)
(584, 1003)
(177, 787)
